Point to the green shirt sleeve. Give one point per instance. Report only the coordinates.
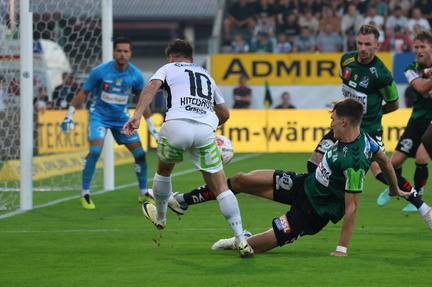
(390, 92)
(354, 180)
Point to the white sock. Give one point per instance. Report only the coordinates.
(84, 192)
(143, 192)
(229, 207)
(423, 209)
(162, 189)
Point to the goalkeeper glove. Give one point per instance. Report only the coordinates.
(68, 123)
(152, 129)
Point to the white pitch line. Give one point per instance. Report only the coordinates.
(254, 230)
(16, 212)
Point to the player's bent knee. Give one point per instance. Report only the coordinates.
(238, 181)
(95, 151)
(139, 153)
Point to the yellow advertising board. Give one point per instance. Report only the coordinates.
(250, 130)
(51, 140)
(281, 69)
(294, 130)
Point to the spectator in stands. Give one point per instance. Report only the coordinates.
(350, 42)
(381, 8)
(396, 19)
(266, 9)
(239, 45)
(264, 34)
(329, 41)
(286, 102)
(242, 94)
(337, 6)
(397, 41)
(283, 44)
(330, 16)
(417, 29)
(372, 16)
(305, 42)
(361, 6)
(285, 8)
(2, 94)
(381, 37)
(417, 19)
(314, 6)
(240, 15)
(42, 103)
(264, 45)
(308, 20)
(351, 21)
(290, 27)
(404, 4)
(425, 7)
(64, 93)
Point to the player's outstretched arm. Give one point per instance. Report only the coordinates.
(146, 96)
(389, 173)
(222, 113)
(351, 204)
(145, 99)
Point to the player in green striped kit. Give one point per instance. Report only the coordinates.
(409, 144)
(366, 78)
(331, 192)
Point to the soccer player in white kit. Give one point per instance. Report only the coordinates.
(195, 107)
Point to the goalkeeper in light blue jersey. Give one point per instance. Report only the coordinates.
(112, 83)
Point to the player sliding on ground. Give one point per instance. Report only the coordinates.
(331, 192)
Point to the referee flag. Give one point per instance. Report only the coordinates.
(268, 101)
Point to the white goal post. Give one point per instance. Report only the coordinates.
(78, 35)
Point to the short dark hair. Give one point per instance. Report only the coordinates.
(424, 36)
(122, 40)
(368, 29)
(179, 48)
(349, 108)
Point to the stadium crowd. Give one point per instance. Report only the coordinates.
(285, 26)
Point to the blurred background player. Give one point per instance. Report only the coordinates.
(113, 83)
(365, 77)
(409, 144)
(190, 123)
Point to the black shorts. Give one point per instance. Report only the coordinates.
(328, 140)
(410, 140)
(301, 219)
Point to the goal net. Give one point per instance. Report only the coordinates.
(66, 46)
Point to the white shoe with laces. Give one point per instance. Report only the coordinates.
(229, 243)
(172, 203)
(150, 212)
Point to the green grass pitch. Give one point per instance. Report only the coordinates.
(60, 244)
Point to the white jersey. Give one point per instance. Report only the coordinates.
(191, 92)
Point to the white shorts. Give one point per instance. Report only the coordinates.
(179, 135)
